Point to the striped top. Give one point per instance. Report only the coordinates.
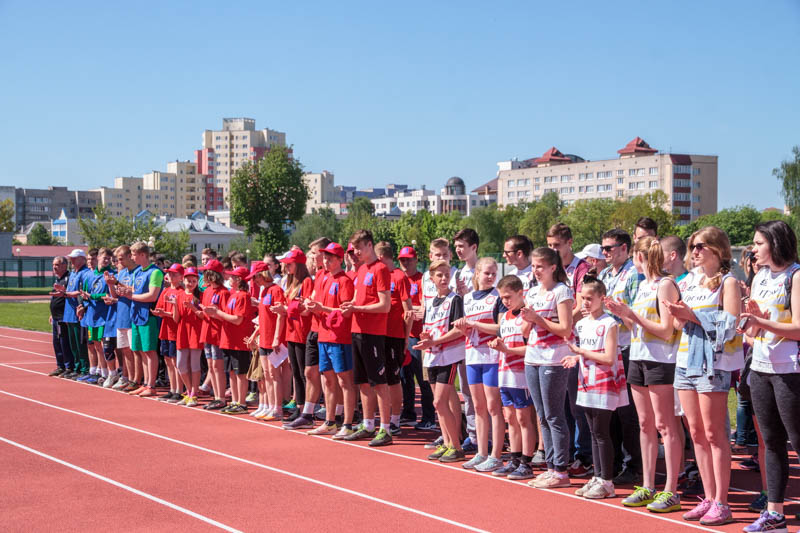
(511, 367)
(544, 347)
(600, 386)
(479, 307)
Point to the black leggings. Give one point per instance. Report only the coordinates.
(776, 403)
(297, 358)
(599, 421)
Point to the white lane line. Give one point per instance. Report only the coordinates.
(30, 363)
(251, 463)
(26, 340)
(28, 351)
(20, 330)
(110, 481)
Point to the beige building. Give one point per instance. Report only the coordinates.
(689, 181)
(321, 190)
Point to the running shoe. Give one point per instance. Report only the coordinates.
(290, 405)
(760, 503)
(324, 429)
(394, 430)
(588, 485)
(252, 397)
(178, 399)
(475, 461)
(215, 405)
(435, 444)
(100, 380)
(132, 386)
(555, 480)
(383, 438)
(719, 514)
(360, 434)
(69, 374)
(272, 416)
(408, 421)
(91, 379)
(600, 490)
(469, 446)
(343, 433)
(768, 521)
(110, 381)
(301, 422)
(627, 477)
(664, 502)
(426, 425)
(523, 471)
(491, 464)
(538, 460)
(578, 469)
(191, 401)
(640, 497)
(164, 397)
(321, 414)
(148, 391)
(238, 409)
(227, 408)
(56, 372)
(451, 455)
(440, 451)
(138, 390)
(506, 470)
(699, 511)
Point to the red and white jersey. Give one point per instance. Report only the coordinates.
(477, 343)
(429, 290)
(544, 347)
(437, 323)
(511, 367)
(600, 386)
(525, 276)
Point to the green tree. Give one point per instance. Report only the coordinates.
(39, 236)
(738, 222)
(312, 226)
(490, 223)
(647, 205)
(788, 173)
(267, 197)
(588, 220)
(539, 217)
(99, 231)
(7, 216)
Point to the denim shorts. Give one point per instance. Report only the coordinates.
(213, 352)
(719, 382)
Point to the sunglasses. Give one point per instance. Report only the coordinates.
(609, 247)
(699, 246)
(509, 252)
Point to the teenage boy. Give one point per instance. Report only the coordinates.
(439, 250)
(76, 332)
(97, 313)
(645, 227)
(125, 276)
(517, 253)
(397, 330)
(312, 371)
(674, 255)
(408, 263)
(335, 345)
(466, 243)
(94, 343)
(168, 332)
(370, 310)
(64, 360)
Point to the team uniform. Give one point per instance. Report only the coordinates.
(525, 276)
(399, 292)
(413, 370)
(297, 329)
(369, 329)
(144, 331)
(312, 340)
(441, 361)
(267, 322)
(124, 319)
(77, 333)
(232, 338)
(188, 341)
(212, 327)
(168, 333)
(511, 367)
(335, 341)
(482, 306)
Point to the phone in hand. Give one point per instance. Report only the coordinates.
(743, 323)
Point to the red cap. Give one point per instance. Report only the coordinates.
(334, 319)
(214, 265)
(255, 268)
(334, 248)
(293, 310)
(191, 271)
(176, 268)
(350, 247)
(239, 272)
(295, 256)
(407, 252)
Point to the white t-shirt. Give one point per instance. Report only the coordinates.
(545, 348)
(772, 353)
(646, 346)
(525, 275)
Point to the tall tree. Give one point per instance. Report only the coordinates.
(312, 226)
(39, 236)
(788, 173)
(588, 220)
(268, 196)
(539, 217)
(738, 222)
(7, 215)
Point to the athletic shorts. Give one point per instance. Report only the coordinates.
(336, 357)
(95, 333)
(444, 375)
(169, 349)
(369, 364)
(312, 349)
(395, 355)
(124, 337)
(719, 382)
(485, 374)
(239, 361)
(145, 338)
(109, 345)
(646, 373)
(517, 398)
(213, 352)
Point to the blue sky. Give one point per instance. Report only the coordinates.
(412, 92)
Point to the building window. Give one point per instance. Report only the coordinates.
(620, 172)
(565, 178)
(620, 194)
(654, 184)
(696, 198)
(535, 187)
(682, 169)
(603, 175)
(696, 171)
(620, 181)
(681, 182)
(654, 171)
(511, 194)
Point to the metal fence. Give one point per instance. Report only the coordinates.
(27, 272)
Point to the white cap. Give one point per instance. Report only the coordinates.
(591, 250)
(284, 255)
(77, 252)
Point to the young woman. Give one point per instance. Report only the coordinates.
(773, 318)
(601, 383)
(711, 301)
(214, 297)
(187, 313)
(651, 374)
(482, 309)
(549, 316)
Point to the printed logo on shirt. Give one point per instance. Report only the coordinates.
(601, 330)
(215, 299)
(139, 283)
(518, 321)
(550, 296)
(491, 299)
(231, 303)
(368, 279)
(267, 300)
(97, 284)
(414, 289)
(334, 290)
(446, 305)
(391, 287)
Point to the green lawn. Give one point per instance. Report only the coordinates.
(26, 315)
(24, 291)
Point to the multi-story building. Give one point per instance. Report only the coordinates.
(43, 205)
(453, 197)
(689, 181)
(486, 194)
(228, 149)
(321, 190)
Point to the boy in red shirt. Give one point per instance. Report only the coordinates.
(169, 330)
(370, 311)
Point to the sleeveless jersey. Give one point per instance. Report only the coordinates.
(772, 353)
(511, 367)
(544, 347)
(480, 310)
(437, 323)
(600, 386)
(646, 346)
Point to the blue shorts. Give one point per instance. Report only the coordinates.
(482, 374)
(213, 352)
(517, 398)
(336, 357)
(719, 382)
(169, 349)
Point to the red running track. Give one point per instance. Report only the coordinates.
(83, 457)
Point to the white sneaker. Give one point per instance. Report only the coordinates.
(121, 383)
(257, 412)
(541, 477)
(585, 488)
(110, 380)
(601, 490)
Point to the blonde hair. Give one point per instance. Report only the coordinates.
(653, 253)
(140, 246)
(441, 242)
(717, 241)
(436, 265)
(482, 263)
(384, 249)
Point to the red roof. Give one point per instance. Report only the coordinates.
(637, 146)
(491, 186)
(553, 156)
(23, 250)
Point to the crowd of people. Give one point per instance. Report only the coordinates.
(587, 365)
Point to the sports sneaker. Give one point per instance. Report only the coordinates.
(699, 511)
(505, 470)
(100, 380)
(719, 514)
(640, 497)
(272, 416)
(435, 444)
(627, 477)
(426, 425)
(191, 401)
(664, 502)
(600, 490)
(227, 408)
(238, 409)
(178, 399)
(290, 405)
(252, 397)
(383, 438)
(538, 460)
(301, 422)
(759, 504)
(578, 469)
(768, 521)
(164, 397)
(541, 477)
(110, 381)
(469, 446)
(147, 392)
(138, 390)
(361, 433)
(489, 465)
(408, 421)
(452, 456)
(92, 379)
(440, 451)
(324, 429)
(215, 405)
(523, 471)
(475, 461)
(57, 372)
(588, 485)
(343, 433)
(131, 387)
(394, 430)
(555, 480)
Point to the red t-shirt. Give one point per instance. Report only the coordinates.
(400, 290)
(212, 327)
(319, 282)
(415, 292)
(233, 335)
(338, 288)
(351, 274)
(370, 280)
(267, 320)
(169, 328)
(189, 324)
(297, 328)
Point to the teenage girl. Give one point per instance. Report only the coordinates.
(168, 334)
(187, 313)
(214, 297)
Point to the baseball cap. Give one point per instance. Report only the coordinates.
(407, 252)
(191, 271)
(334, 319)
(214, 265)
(350, 247)
(239, 272)
(334, 248)
(77, 252)
(255, 268)
(293, 310)
(294, 256)
(176, 268)
(590, 250)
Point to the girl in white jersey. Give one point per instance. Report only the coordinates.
(773, 319)
(601, 383)
(704, 395)
(548, 312)
(651, 373)
(481, 310)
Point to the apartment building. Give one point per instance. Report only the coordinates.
(44, 205)
(228, 149)
(321, 190)
(689, 181)
(453, 197)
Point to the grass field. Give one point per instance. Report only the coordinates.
(24, 291)
(26, 315)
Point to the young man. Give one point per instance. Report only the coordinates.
(517, 253)
(205, 256)
(64, 360)
(76, 332)
(408, 263)
(592, 254)
(370, 308)
(466, 243)
(132, 362)
(397, 330)
(674, 254)
(645, 227)
(88, 320)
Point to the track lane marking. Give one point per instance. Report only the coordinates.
(26, 340)
(28, 351)
(123, 486)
